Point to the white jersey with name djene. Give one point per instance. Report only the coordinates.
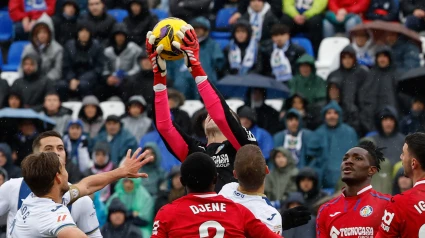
(39, 218)
(259, 205)
(82, 211)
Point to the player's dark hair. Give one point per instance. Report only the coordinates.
(36, 143)
(39, 171)
(374, 152)
(198, 172)
(416, 146)
(250, 167)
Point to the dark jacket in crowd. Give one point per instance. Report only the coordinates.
(189, 9)
(83, 62)
(409, 6)
(125, 230)
(167, 192)
(276, 7)
(12, 170)
(385, 10)
(355, 86)
(393, 142)
(4, 91)
(315, 194)
(306, 231)
(269, 20)
(66, 26)
(139, 25)
(101, 26)
(413, 122)
(114, 4)
(21, 145)
(140, 84)
(32, 87)
(406, 55)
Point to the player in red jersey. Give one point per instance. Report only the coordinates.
(405, 214)
(358, 210)
(203, 213)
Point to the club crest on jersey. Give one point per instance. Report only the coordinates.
(219, 149)
(366, 211)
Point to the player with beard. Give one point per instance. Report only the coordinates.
(224, 132)
(405, 214)
(357, 212)
(43, 213)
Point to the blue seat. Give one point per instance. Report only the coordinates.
(220, 35)
(6, 26)
(223, 43)
(14, 55)
(223, 16)
(118, 14)
(161, 14)
(305, 43)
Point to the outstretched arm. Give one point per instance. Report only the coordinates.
(214, 102)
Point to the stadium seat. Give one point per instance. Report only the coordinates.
(74, 106)
(328, 58)
(275, 103)
(223, 43)
(14, 55)
(234, 104)
(112, 108)
(6, 26)
(161, 14)
(223, 16)
(118, 14)
(305, 43)
(10, 77)
(191, 106)
(220, 35)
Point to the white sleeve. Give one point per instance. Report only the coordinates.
(58, 220)
(66, 199)
(5, 198)
(84, 213)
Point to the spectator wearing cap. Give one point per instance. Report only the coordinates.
(91, 115)
(136, 120)
(211, 58)
(248, 120)
(120, 61)
(142, 82)
(343, 15)
(76, 144)
(119, 138)
(83, 65)
(139, 21)
(52, 108)
(65, 22)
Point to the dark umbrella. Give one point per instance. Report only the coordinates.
(413, 82)
(380, 28)
(235, 85)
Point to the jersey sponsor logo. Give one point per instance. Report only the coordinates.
(386, 220)
(366, 211)
(336, 213)
(360, 231)
(55, 209)
(271, 218)
(221, 161)
(155, 228)
(249, 135)
(219, 149)
(238, 194)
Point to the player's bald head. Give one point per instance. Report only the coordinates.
(250, 167)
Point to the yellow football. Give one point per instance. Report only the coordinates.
(165, 33)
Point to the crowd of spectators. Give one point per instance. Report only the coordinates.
(79, 52)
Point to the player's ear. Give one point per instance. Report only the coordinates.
(267, 169)
(415, 163)
(234, 174)
(372, 170)
(57, 178)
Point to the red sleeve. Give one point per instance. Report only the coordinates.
(392, 220)
(16, 10)
(51, 4)
(160, 223)
(359, 7)
(333, 5)
(254, 228)
(321, 230)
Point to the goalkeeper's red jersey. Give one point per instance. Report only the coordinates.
(405, 214)
(208, 215)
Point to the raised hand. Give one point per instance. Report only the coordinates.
(158, 64)
(132, 164)
(190, 46)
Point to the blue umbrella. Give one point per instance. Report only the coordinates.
(236, 85)
(15, 113)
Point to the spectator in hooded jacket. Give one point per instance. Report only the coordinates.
(281, 180)
(136, 120)
(170, 190)
(25, 13)
(4, 92)
(82, 6)
(261, 18)
(153, 168)
(91, 115)
(76, 144)
(33, 85)
(415, 120)
(119, 138)
(188, 9)
(45, 46)
(99, 21)
(308, 185)
(343, 15)
(401, 183)
(406, 53)
(327, 146)
(306, 82)
(142, 82)
(384, 10)
(354, 85)
(82, 66)
(248, 119)
(121, 61)
(65, 23)
(139, 21)
(294, 138)
(180, 117)
(414, 11)
(362, 42)
(6, 162)
(308, 230)
(280, 55)
(305, 17)
(52, 108)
